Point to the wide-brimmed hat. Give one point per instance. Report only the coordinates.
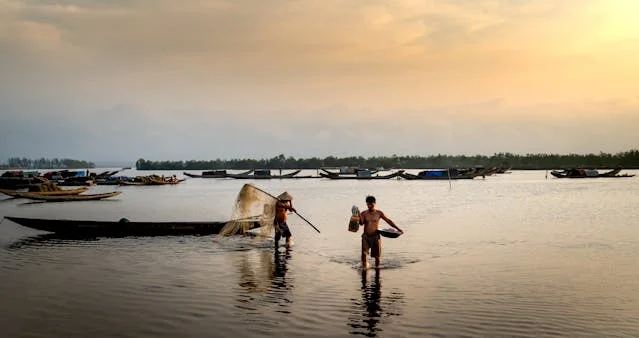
(285, 196)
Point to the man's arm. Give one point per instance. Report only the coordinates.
(290, 207)
(389, 221)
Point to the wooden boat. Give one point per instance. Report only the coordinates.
(68, 192)
(123, 227)
(150, 180)
(266, 175)
(408, 176)
(360, 176)
(449, 174)
(68, 198)
(214, 174)
(587, 173)
(15, 183)
(348, 170)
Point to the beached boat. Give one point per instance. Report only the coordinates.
(214, 174)
(123, 227)
(360, 175)
(587, 173)
(68, 198)
(68, 192)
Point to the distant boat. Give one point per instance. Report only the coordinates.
(214, 174)
(362, 174)
(266, 175)
(587, 173)
(447, 174)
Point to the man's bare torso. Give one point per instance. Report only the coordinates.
(371, 221)
(280, 212)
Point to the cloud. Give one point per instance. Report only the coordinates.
(173, 78)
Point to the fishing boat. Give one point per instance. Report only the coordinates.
(266, 175)
(214, 174)
(61, 192)
(15, 183)
(123, 227)
(445, 174)
(360, 175)
(68, 198)
(152, 180)
(587, 173)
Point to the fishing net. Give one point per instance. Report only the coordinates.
(251, 205)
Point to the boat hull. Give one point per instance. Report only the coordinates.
(67, 192)
(123, 228)
(333, 176)
(68, 198)
(408, 176)
(581, 173)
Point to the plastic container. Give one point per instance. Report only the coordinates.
(353, 224)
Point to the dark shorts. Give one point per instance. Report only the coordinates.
(372, 243)
(282, 230)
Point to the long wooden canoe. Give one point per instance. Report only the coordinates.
(66, 192)
(215, 174)
(265, 175)
(586, 173)
(408, 176)
(68, 198)
(123, 227)
(150, 182)
(354, 177)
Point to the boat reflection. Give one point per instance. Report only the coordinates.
(49, 239)
(372, 308)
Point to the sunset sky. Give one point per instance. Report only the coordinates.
(205, 79)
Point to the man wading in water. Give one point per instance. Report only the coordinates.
(370, 237)
(284, 203)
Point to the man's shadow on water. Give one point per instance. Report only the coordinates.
(263, 280)
(372, 308)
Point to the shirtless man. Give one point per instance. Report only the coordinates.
(284, 204)
(370, 237)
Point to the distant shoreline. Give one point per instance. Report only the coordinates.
(627, 160)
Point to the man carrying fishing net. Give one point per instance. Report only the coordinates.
(284, 203)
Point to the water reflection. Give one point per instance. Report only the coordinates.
(372, 307)
(47, 240)
(264, 281)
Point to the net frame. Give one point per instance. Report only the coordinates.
(251, 205)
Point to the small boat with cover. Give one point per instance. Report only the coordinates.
(123, 227)
(587, 173)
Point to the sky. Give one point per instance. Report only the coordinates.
(205, 79)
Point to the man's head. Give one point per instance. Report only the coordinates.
(370, 201)
(285, 196)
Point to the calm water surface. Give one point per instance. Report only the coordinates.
(511, 255)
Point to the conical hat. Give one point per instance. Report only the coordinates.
(285, 196)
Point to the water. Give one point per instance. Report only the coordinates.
(511, 255)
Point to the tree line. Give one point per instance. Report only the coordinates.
(46, 163)
(627, 159)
